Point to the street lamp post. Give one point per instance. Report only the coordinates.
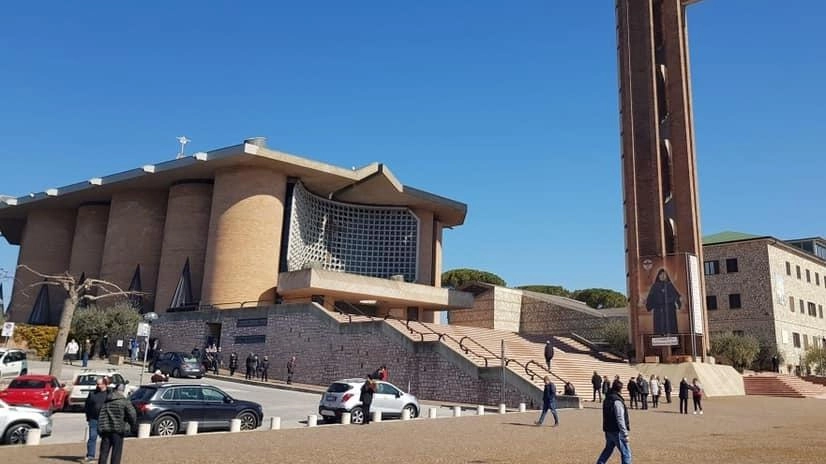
(145, 328)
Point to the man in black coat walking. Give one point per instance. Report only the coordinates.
(616, 426)
(92, 406)
(250, 365)
(548, 402)
(667, 388)
(117, 419)
(549, 353)
(596, 382)
(684, 396)
(233, 363)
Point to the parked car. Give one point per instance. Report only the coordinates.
(16, 421)
(86, 380)
(13, 363)
(343, 396)
(169, 407)
(38, 391)
(178, 364)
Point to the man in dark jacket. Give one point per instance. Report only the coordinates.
(549, 353)
(250, 365)
(290, 369)
(233, 363)
(366, 398)
(92, 407)
(667, 388)
(596, 382)
(117, 418)
(684, 396)
(548, 402)
(633, 393)
(616, 426)
(643, 389)
(265, 367)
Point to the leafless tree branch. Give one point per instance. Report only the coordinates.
(107, 295)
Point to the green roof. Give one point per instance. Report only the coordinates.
(727, 236)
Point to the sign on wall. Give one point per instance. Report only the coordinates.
(664, 341)
(8, 329)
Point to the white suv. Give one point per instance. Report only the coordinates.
(16, 421)
(13, 363)
(344, 396)
(86, 380)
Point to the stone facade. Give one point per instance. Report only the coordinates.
(775, 299)
(327, 350)
(497, 308)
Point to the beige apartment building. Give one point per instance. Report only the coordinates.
(766, 287)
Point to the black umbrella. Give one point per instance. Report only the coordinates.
(42, 307)
(183, 291)
(135, 286)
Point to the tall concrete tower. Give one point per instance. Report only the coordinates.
(662, 226)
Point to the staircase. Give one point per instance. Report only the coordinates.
(779, 385)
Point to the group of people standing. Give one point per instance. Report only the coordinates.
(640, 389)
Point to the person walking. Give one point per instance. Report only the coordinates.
(291, 371)
(92, 406)
(265, 367)
(633, 393)
(85, 353)
(250, 366)
(366, 398)
(667, 388)
(104, 347)
(233, 363)
(776, 363)
(642, 385)
(216, 361)
(606, 386)
(683, 394)
(549, 353)
(654, 385)
(117, 418)
(616, 426)
(135, 349)
(548, 402)
(697, 395)
(596, 382)
(71, 351)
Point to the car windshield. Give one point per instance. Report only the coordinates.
(27, 383)
(338, 387)
(190, 359)
(143, 394)
(87, 379)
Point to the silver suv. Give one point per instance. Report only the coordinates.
(343, 396)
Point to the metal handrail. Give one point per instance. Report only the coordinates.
(533, 373)
(443, 335)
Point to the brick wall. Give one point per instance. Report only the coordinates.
(327, 350)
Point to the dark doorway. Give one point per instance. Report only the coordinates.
(213, 334)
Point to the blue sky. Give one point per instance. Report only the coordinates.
(510, 107)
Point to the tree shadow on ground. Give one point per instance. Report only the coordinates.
(65, 458)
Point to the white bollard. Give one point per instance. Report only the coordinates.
(33, 437)
(431, 413)
(502, 408)
(235, 425)
(405, 414)
(275, 423)
(192, 428)
(346, 418)
(523, 407)
(480, 410)
(312, 420)
(457, 411)
(376, 416)
(144, 430)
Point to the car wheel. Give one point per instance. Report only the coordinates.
(357, 415)
(248, 420)
(16, 434)
(24, 372)
(176, 373)
(165, 426)
(414, 413)
(197, 377)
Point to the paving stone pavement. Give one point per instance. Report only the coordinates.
(732, 430)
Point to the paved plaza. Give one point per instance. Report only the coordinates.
(733, 430)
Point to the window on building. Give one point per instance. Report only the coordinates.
(812, 309)
(711, 267)
(802, 306)
(734, 301)
(731, 265)
(817, 278)
(820, 311)
(796, 339)
(711, 301)
(805, 342)
(797, 269)
(788, 268)
(791, 303)
(808, 276)
(738, 333)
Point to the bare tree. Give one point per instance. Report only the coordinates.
(76, 291)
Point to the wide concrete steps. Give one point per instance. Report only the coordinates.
(786, 386)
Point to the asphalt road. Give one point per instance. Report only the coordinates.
(291, 406)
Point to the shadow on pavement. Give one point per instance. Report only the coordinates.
(65, 458)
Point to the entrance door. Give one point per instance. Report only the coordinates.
(213, 334)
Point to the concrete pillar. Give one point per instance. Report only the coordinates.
(46, 247)
(244, 242)
(235, 425)
(437, 253)
(144, 430)
(523, 407)
(89, 237)
(480, 410)
(502, 408)
(457, 411)
(275, 423)
(184, 236)
(425, 256)
(312, 420)
(376, 416)
(405, 414)
(133, 237)
(192, 427)
(346, 418)
(33, 437)
(432, 412)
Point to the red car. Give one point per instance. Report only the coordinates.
(38, 391)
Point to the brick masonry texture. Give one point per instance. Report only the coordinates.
(327, 350)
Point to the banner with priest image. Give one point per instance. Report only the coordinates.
(663, 305)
